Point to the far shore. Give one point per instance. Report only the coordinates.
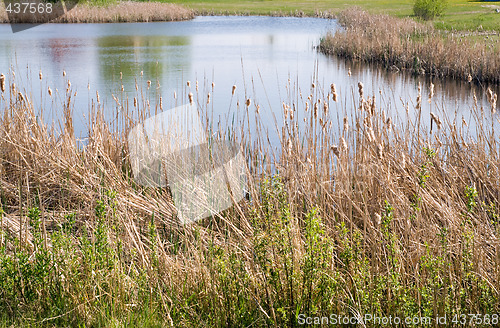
(126, 11)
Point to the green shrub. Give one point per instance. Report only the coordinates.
(428, 9)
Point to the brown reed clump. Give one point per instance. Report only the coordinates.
(124, 11)
(337, 217)
(413, 46)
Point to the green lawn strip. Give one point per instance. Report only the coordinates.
(459, 15)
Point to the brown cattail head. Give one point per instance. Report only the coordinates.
(190, 98)
(436, 119)
(360, 89)
(343, 144)
(325, 108)
(2, 82)
(135, 102)
(313, 85)
(431, 92)
(21, 97)
(346, 124)
(234, 89)
(315, 110)
(349, 72)
(335, 150)
(50, 91)
(64, 73)
(208, 98)
(248, 102)
(149, 84)
(97, 96)
(40, 75)
(213, 86)
(161, 103)
(188, 83)
(334, 92)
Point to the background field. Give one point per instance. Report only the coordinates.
(461, 14)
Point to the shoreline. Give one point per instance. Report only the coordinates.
(415, 47)
(122, 12)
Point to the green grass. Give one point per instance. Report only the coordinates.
(460, 14)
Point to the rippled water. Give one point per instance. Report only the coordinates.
(269, 59)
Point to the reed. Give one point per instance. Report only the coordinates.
(414, 46)
(359, 211)
(116, 12)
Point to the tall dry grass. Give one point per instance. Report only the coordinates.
(123, 11)
(359, 211)
(414, 46)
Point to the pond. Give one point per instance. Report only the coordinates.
(268, 59)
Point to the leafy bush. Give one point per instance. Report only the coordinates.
(428, 9)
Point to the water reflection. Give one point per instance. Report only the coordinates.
(258, 54)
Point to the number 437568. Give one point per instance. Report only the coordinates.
(29, 7)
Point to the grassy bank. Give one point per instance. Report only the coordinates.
(369, 212)
(113, 12)
(405, 44)
(460, 14)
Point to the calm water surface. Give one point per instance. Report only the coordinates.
(269, 59)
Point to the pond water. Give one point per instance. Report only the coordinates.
(269, 59)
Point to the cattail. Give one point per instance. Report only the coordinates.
(373, 105)
(135, 102)
(2, 82)
(307, 107)
(97, 96)
(313, 85)
(248, 102)
(360, 89)
(64, 73)
(494, 104)
(69, 84)
(234, 89)
(13, 88)
(188, 83)
(40, 75)
(123, 88)
(380, 152)
(149, 84)
(325, 108)
(431, 92)
(190, 98)
(436, 119)
(335, 150)
(346, 124)
(316, 110)
(419, 97)
(21, 97)
(388, 124)
(464, 122)
(50, 91)
(161, 103)
(349, 72)
(334, 92)
(257, 109)
(121, 75)
(208, 98)
(343, 144)
(136, 86)
(196, 85)
(213, 86)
